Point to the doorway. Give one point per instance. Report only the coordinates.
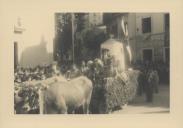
(15, 55)
(147, 55)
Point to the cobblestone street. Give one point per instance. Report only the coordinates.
(160, 103)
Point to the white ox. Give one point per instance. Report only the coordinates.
(66, 96)
(19, 101)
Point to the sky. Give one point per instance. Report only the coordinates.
(38, 22)
(37, 17)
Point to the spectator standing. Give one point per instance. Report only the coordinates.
(149, 86)
(83, 68)
(54, 69)
(155, 81)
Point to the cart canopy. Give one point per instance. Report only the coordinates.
(114, 49)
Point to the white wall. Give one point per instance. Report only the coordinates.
(157, 22)
(132, 24)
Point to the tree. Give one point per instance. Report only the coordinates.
(88, 43)
(63, 34)
(87, 39)
(81, 21)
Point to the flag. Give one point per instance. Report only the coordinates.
(123, 26)
(125, 31)
(129, 52)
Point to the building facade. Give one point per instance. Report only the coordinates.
(149, 36)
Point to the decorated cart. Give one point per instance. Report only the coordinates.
(117, 85)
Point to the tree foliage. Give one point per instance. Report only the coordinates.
(87, 39)
(88, 43)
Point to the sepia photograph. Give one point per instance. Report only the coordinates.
(92, 63)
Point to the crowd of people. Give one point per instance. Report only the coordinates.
(150, 74)
(28, 74)
(46, 71)
(42, 72)
(162, 69)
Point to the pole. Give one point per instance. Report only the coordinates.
(72, 22)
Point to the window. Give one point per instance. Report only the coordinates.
(146, 25)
